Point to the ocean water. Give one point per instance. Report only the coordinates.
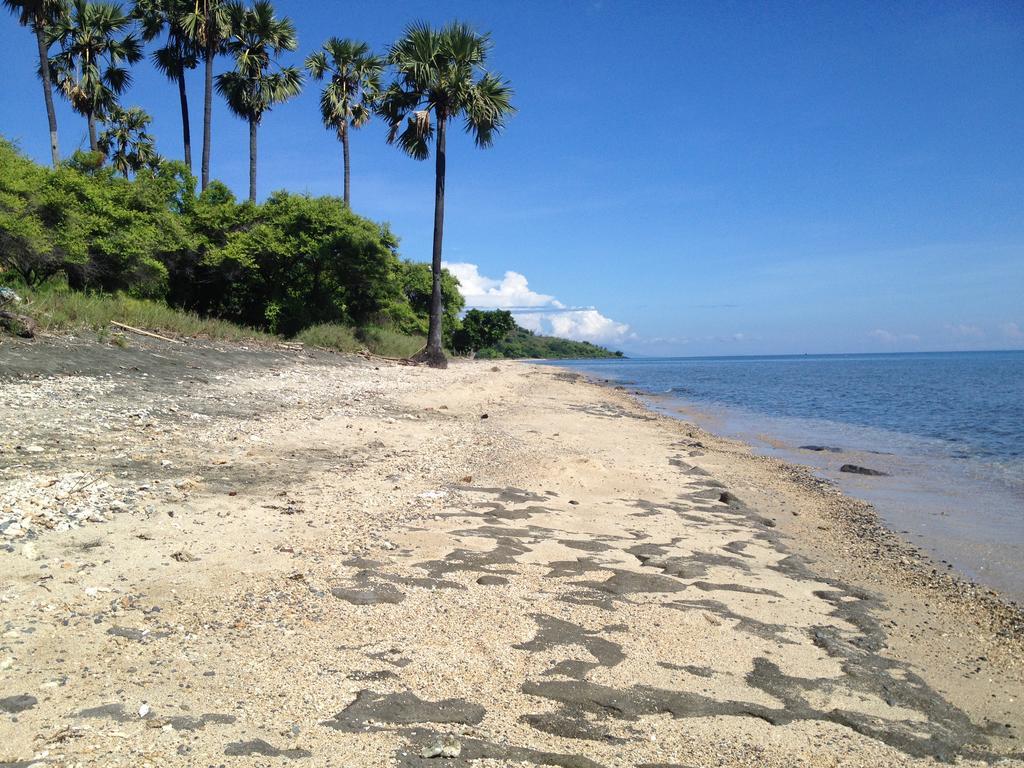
(948, 428)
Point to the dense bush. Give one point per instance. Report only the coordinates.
(521, 343)
(292, 262)
(103, 232)
(482, 329)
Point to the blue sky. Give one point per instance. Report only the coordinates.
(684, 178)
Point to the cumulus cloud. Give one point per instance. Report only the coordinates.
(537, 312)
(586, 324)
(512, 291)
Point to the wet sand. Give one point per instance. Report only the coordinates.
(214, 556)
(942, 506)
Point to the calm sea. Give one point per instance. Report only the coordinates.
(948, 428)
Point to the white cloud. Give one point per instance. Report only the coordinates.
(483, 292)
(588, 324)
(537, 312)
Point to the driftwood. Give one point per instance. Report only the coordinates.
(19, 325)
(145, 333)
(400, 360)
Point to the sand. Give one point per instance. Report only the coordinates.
(276, 557)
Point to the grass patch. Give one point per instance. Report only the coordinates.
(388, 343)
(66, 310)
(60, 309)
(339, 337)
(377, 340)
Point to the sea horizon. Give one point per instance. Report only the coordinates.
(800, 355)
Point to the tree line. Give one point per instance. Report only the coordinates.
(427, 79)
(288, 263)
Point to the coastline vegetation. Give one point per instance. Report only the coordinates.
(121, 232)
(56, 308)
(525, 344)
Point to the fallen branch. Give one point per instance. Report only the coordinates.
(373, 355)
(145, 333)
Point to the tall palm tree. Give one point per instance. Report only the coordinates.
(39, 15)
(90, 66)
(251, 89)
(354, 85)
(178, 54)
(440, 78)
(207, 25)
(127, 142)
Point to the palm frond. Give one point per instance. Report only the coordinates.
(488, 105)
(415, 139)
(316, 63)
(462, 44)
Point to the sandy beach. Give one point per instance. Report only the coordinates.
(217, 556)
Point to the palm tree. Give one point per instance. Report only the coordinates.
(178, 54)
(206, 25)
(349, 97)
(89, 68)
(41, 14)
(251, 89)
(440, 78)
(126, 142)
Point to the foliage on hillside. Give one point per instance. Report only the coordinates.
(521, 343)
(292, 262)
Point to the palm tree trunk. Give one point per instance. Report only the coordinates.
(252, 160)
(91, 119)
(44, 71)
(208, 104)
(348, 167)
(433, 354)
(186, 130)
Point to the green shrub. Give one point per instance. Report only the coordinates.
(391, 343)
(293, 262)
(482, 329)
(330, 336)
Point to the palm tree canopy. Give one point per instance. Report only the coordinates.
(354, 85)
(180, 52)
(205, 21)
(127, 142)
(442, 75)
(90, 68)
(28, 11)
(257, 38)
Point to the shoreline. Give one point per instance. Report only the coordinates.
(864, 520)
(858, 518)
(232, 556)
(934, 506)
